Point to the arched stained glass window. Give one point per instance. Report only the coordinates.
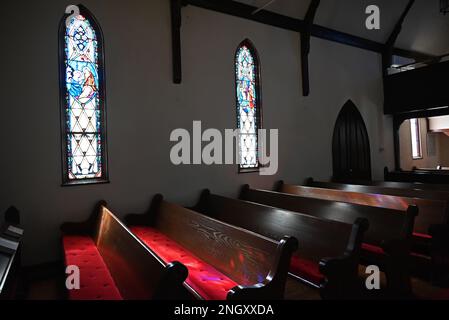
(248, 104)
(82, 99)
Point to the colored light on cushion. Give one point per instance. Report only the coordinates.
(306, 269)
(207, 281)
(372, 249)
(96, 282)
(422, 235)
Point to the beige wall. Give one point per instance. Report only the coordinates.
(440, 157)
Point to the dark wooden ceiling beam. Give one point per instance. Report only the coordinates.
(387, 54)
(242, 10)
(305, 45)
(175, 12)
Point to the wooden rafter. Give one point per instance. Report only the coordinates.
(245, 11)
(175, 10)
(387, 54)
(305, 45)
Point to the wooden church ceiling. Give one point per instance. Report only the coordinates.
(424, 30)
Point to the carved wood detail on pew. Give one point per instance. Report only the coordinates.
(338, 258)
(217, 243)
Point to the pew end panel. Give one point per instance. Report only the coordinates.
(137, 272)
(274, 283)
(338, 240)
(341, 272)
(87, 227)
(258, 264)
(147, 218)
(12, 216)
(440, 254)
(386, 242)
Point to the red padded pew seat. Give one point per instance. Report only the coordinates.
(96, 282)
(210, 283)
(373, 249)
(422, 235)
(306, 269)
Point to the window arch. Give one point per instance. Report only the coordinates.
(83, 118)
(247, 74)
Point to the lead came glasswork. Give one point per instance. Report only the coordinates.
(247, 108)
(83, 118)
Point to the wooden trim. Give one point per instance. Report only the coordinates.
(245, 11)
(176, 20)
(387, 53)
(305, 45)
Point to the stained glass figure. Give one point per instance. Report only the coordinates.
(83, 105)
(247, 85)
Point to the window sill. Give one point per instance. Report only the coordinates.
(84, 182)
(248, 170)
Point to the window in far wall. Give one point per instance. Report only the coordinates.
(415, 131)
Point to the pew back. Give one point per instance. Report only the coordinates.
(402, 185)
(430, 211)
(258, 265)
(138, 272)
(242, 255)
(433, 205)
(318, 238)
(412, 193)
(385, 224)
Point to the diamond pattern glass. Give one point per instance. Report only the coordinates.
(83, 115)
(247, 108)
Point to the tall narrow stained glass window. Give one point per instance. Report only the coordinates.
(82, 99)
(248, 105)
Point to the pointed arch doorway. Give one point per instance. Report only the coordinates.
(351, 156)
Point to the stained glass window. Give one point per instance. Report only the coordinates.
(248, 105)
(83, 100)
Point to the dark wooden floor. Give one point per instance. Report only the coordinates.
(50, 286)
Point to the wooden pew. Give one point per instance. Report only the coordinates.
(328, 254)
(10, 261)
(431, 211)
(431, 226)
(405, 185)
(238, 264)
(429, 177)
(386, 242)
(115, 265)
(399, 185)
(411, 193)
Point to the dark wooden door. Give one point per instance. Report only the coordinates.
(350, 147)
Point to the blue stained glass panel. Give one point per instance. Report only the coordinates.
(247, 108)
(84, 148)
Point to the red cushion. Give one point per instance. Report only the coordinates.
(210, 283)
(373, 249)
(306, 269)
(422, 235)
(96, 282)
